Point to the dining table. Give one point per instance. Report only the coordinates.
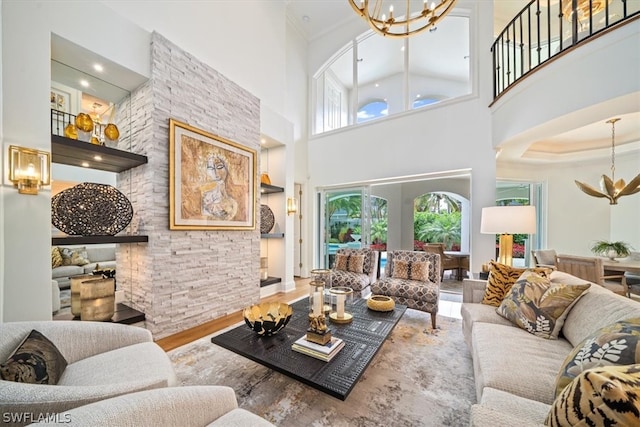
(627, 265)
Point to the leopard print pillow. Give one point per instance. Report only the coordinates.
(409, 270)
(352, 263)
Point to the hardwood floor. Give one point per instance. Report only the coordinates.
(185, 337)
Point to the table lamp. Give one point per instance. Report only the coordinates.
(506, 221)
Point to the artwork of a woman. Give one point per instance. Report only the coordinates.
(216, 202)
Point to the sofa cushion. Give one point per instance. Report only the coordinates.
(56, 257)
(596, 309)
(616, 344)
(538, 306)
(75, 256)
(350, 262)
(101, 253)
(36, 361)
(605, 396)
(411, 270)
(102, 369)
(526, 411)
(501, 278)
(474, 312)
(508, 359)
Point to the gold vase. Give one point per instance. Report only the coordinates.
(84, 122)
(264, 178)
(70, 131)
(111, 132)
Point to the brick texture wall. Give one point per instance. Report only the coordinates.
(181, 279)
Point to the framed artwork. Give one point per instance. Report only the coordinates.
(212, 181)
(60, 100)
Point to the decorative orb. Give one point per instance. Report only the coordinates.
(267, 318)
(70, 131)
(91, 209)
(267, 219)
(84, 122)
(380, 303)
(111, 132)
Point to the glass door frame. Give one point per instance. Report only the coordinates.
(324, 226)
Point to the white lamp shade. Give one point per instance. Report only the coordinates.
(508, 220)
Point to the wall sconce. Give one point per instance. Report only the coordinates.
(29, 169)
(292, 206)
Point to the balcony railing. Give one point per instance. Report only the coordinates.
(546, 28)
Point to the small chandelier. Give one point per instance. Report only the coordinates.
(610, 188)
(417, 16)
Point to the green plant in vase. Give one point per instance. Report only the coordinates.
(611, 250)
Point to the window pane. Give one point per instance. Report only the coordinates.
(380, 72)
(333, 91)
(372, 110)
(439, 62)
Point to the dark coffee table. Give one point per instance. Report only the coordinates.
(363, 338)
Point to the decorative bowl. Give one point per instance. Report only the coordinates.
(267, 318)
(380, 303)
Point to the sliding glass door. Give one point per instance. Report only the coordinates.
(345, 221)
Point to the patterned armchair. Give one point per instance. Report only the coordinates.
(348, 272)
(411, 282)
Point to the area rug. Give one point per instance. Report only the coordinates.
(420, 377)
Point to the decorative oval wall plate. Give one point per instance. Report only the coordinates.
(91, 209)
(267, 220)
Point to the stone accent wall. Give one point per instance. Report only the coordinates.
(181, 279)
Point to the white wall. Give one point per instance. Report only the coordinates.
(243, 40)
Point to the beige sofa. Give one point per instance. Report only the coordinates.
(103, 255)
(190, 406)
(103, 360)
(514, 370)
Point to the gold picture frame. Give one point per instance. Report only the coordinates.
(212, 181)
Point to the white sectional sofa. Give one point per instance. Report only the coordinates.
(102, 255)
(515, 371)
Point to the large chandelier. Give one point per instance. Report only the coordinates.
(584, 8)
(415, 16)
(610, 188)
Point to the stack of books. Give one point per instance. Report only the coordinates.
(323, 352)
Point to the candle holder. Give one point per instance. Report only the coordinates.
(318, 331)
(341, 299)
(323, 275)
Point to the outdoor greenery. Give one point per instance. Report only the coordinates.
(437, 227)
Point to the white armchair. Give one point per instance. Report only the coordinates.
(103, 360)
(189, 406)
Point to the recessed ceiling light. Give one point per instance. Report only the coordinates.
(263, 141)
(85, 164)
(84, 83)
(418, 96)
(98, 67)
(377, 85)
(306, 18)
(97, 158)
(402, 48)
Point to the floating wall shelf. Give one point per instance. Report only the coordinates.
(93, 240)
(72, 152)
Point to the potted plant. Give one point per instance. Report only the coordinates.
(611, 249)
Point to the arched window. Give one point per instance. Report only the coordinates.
(421, 102)
(372, 110)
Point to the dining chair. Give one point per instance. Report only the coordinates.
(446, 262)
(544, 258)
(592, 269)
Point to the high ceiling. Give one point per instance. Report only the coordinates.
(317, 18)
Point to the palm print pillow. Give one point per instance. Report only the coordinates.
(616, 344)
